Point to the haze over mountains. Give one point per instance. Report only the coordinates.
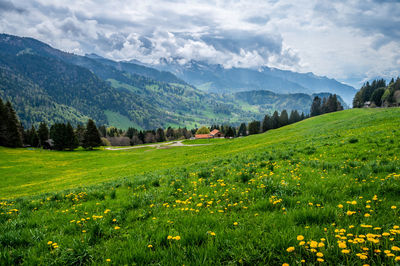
(216, 78)
(46, 84)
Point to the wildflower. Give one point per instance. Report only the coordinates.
(290, 249)
(177, 238)
(345, 251)
(235, 223)
(108, 260)
(301, 243)
(397, 258)
(320, 260)
(393, 207)
(314, 244)
(367, 215)
(395, 248)
(285, 264)
(300, 237)
(342, 245)
(114, 220)
(340, 206)
(149, 246)
(320, 254)
(50, 242)
(117, 227)
(169, 237)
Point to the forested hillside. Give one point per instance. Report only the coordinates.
(47, 85)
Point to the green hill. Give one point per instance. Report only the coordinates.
(325, 188)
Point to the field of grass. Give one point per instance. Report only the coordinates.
(322, 191)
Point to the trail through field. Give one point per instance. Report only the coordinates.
(165, 145)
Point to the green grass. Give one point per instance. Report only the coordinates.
(243, 201)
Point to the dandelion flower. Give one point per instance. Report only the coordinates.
(290, 249)
(117, 227)
(300, 237)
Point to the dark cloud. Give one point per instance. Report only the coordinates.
(236, 40)
(6, 6)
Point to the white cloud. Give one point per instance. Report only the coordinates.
(348, 40)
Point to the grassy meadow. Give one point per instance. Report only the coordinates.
(325, 190)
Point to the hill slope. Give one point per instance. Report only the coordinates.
(250, 200)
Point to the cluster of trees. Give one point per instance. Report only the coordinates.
(60, 136)
(378, 94)
(272, 122)
(326, 105)
(63, 136)
(132, 136)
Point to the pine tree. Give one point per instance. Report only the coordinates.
(254, 127)
(80, 133)
(275, 120)
(70, 138)
(58, 135)
(43, 133)
(13, 130)
(242, 130)
(3, 124)
(283, 119)
(266, 123)
(91, 138)
(160, 136)
(316, 107)
(294, 117)
(34, 138)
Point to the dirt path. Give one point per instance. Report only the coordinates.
(165, 145)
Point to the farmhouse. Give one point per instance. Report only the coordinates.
(213, 134)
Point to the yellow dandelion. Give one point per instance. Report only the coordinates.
(300, 237)
(320, 254)
(149, 246)
(290, 249)
(117, 227)
(345, 251)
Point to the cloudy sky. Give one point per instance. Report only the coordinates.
(351, 41)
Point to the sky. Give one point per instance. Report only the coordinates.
(352, 41)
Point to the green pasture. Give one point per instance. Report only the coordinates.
(321, 191)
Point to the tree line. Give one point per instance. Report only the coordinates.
(326, 105)
(61, 136)
(378, 94)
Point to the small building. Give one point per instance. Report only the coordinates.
(367, 104)
(203, 136)
(216, 133)
(213, 134)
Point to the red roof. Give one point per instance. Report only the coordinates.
(202, 136)
(214, 132)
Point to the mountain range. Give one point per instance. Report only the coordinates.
(46, 84)
(218, 79)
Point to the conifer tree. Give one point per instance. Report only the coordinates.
(275, 120)
(91, 138)
(58, 135)
(254, 127)
(70, 138)
(43, 133)
(34, 138)
(283, 119)
(316, 107)
(242, 130)
(266, 123)
(13, 128)
(3, 124)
